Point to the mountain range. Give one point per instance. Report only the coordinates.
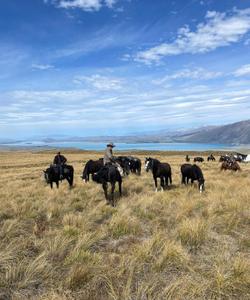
(232, 134)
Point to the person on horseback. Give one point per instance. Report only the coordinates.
(59, 161)
(108, 155)
(109, 158)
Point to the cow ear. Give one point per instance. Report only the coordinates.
(44, 171)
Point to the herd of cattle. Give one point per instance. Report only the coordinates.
(124, 165)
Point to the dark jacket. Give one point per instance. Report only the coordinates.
(59, 159)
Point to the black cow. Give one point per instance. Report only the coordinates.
(52, 174)
(109, 173)
(199, 159)
(135, 165)
(159, 170)
(193, 172)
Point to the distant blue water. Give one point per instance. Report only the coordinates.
(126, 146)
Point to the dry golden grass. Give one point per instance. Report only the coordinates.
(68, 244)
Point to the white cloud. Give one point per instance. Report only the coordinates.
(243, 71)
(219, 29)
(87, 5)
(41, 67)
(100, 82)
(196, 73)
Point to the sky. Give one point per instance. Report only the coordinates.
(120, 67)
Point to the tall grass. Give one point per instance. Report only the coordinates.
(68, 244)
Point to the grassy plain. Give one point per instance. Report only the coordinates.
(68, 244)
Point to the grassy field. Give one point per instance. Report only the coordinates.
(68, 244)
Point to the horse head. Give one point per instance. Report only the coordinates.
(148, 163)
(201, 182)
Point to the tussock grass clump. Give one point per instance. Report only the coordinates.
(193, 232)
(66, 244)
(121, 225)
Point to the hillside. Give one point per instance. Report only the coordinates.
(68, 244)
(236, 133)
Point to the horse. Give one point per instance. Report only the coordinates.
(193, 172)
(231, 165)
(91, 167)
(52, 174)
(199, 159)
(109, 173)
(159, 170)
(211, 157)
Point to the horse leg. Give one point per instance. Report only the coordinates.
(162, 184)
(120, 188)
(112, 193)
(105, 188)
(155, 179)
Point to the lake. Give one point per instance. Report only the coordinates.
(125, 146)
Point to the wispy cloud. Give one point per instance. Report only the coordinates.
(86, 5)
(187, 73)
(243, 71)
(42, 67)
(100, 82)
(218, 29)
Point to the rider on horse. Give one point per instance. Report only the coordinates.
(108, 155)
(109, 158)
(59, 161)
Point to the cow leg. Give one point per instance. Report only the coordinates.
(51, 185)
(155, 179)
(105, 189)
(183, 181)
(57, 184)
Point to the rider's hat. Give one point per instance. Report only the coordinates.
(110, 145)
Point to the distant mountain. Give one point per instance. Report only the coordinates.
(236, 133)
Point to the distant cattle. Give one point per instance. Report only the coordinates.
(159, 170)
(198, 159)
(133, 162)
(225, 158)
(109, 174)
(193, 173)
(230, 165)
(187, 158)
(52, 174)
(211, 157)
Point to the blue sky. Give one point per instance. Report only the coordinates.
(114, 67)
